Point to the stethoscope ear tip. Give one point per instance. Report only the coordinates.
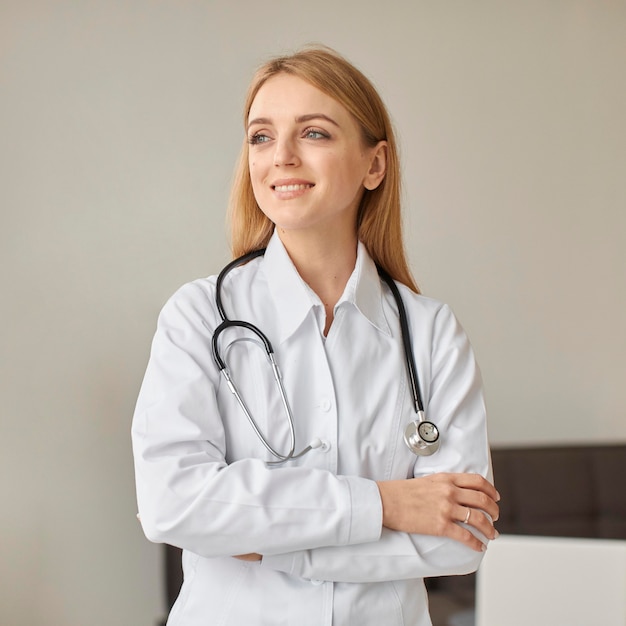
(315, 443)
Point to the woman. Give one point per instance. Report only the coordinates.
(344, 533)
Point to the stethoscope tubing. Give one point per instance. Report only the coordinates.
(242, 260)
(406, 340)
(412, 438)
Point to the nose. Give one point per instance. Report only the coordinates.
(285, 152)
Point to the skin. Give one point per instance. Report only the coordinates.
(309, 168)
(299, 135)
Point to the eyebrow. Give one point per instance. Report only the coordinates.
(299, 120)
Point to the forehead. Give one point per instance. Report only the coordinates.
(291, 96)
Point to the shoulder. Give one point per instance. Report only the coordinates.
(198, 297)
(194, 294)
(419, 304)
(429, 313)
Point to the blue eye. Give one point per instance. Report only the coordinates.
(313, 133)
(257, 139)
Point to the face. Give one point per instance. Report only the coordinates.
(308, 163)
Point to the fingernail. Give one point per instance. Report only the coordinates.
(498, 496)
(496, 534)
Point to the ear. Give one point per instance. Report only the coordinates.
(378, 166)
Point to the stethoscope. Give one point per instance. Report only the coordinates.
(420, 435)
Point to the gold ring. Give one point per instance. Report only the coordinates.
(469, 512)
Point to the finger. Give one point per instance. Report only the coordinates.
(458, 533)
(478, 520)
(480, 501)
(463, 514)
(476, 482)
(248, 557)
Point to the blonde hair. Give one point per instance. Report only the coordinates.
(379, 220)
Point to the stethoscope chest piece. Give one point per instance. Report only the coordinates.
(422, 437)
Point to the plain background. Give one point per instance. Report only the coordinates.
(119, 127)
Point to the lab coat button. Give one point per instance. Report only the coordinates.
(325, 405)
(316, 582)
(325, 445)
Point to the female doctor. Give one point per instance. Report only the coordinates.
(345, 532)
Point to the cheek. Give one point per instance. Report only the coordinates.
(348, 174)
(255, 173)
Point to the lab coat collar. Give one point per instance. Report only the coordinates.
(364, 290)
(294, 298)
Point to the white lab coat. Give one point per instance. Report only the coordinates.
(202, 481)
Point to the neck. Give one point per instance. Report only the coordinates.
(324, 263)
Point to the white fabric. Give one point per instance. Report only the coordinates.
(202, 481)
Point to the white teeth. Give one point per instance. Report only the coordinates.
(291, 187)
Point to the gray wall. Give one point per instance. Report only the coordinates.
(119, 126)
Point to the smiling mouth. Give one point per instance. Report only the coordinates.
(284, 188)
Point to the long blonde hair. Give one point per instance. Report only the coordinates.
(379, 220)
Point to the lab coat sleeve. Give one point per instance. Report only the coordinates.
(188, 496)
(456, 405)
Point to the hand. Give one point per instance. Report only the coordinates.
(253, 556)
(433, 505)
